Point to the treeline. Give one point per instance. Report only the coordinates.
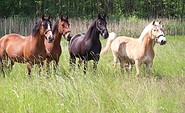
(146, 9)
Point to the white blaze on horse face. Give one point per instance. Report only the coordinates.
(50, 33)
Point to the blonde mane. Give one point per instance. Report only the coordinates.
(146, 29)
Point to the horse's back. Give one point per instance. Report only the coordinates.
(76, 37)
(12, 44)
(128, 47)
(11, 39)
(75, 43)
(119, 41)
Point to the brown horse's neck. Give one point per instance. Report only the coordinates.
(57, 36)
(38, 40)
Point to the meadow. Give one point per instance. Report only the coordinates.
(106, 90)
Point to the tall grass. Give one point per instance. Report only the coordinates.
(103, 91)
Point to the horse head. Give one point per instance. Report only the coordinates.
(101, 25)
(45, 28)
(158, 33)
(63, 26)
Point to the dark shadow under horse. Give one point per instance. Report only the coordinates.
(87, 46)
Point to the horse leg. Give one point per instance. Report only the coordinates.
(130, 67)
(5, 63)
(95, 62)
(40, 65)
(79, 63)
(121, 64)
(11, 64)
(127, 65)
(115, 59)
(148, 67)
(47, 66)
(85, 66)
(72, 62)
(2, 67)
(55, 64)
(29, 67)
(137, 67)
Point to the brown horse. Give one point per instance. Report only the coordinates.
(54, 50)
(130, 50)
(27, 49)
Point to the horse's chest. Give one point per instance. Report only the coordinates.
(93, 48)
(35, 54)
(147, 58)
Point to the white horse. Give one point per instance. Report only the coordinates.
(139, 51)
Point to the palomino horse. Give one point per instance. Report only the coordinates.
(29, 49)
(130, 50)
(54, 50)
(87, 46)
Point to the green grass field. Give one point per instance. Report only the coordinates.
(104, 91)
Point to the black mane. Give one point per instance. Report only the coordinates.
(93, 23)
(35, 30)
(55, 27)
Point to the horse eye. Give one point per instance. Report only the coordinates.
(62, 25)
(100, 23)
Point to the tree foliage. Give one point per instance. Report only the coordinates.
(89, 8)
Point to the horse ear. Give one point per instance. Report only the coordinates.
(159, 22)
(153, 22)
(99, 16)
(104, 15)
(42, 18)
(49, 17)
(67, 17)
(61, 17)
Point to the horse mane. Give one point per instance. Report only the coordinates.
(35, 30)
(145, 30)
(55, 27)
(92, 25)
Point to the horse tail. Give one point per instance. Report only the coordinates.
(111, 38)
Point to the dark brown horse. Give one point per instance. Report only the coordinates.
(87, 46)
(29, 49)
(54, 50)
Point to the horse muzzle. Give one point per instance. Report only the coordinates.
(49, 36)
(105, 33)
(50, 39)
(161, 39)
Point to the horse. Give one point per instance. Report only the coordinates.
(138, 51)
(54, 50)
(27, 49)
(87, 46)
